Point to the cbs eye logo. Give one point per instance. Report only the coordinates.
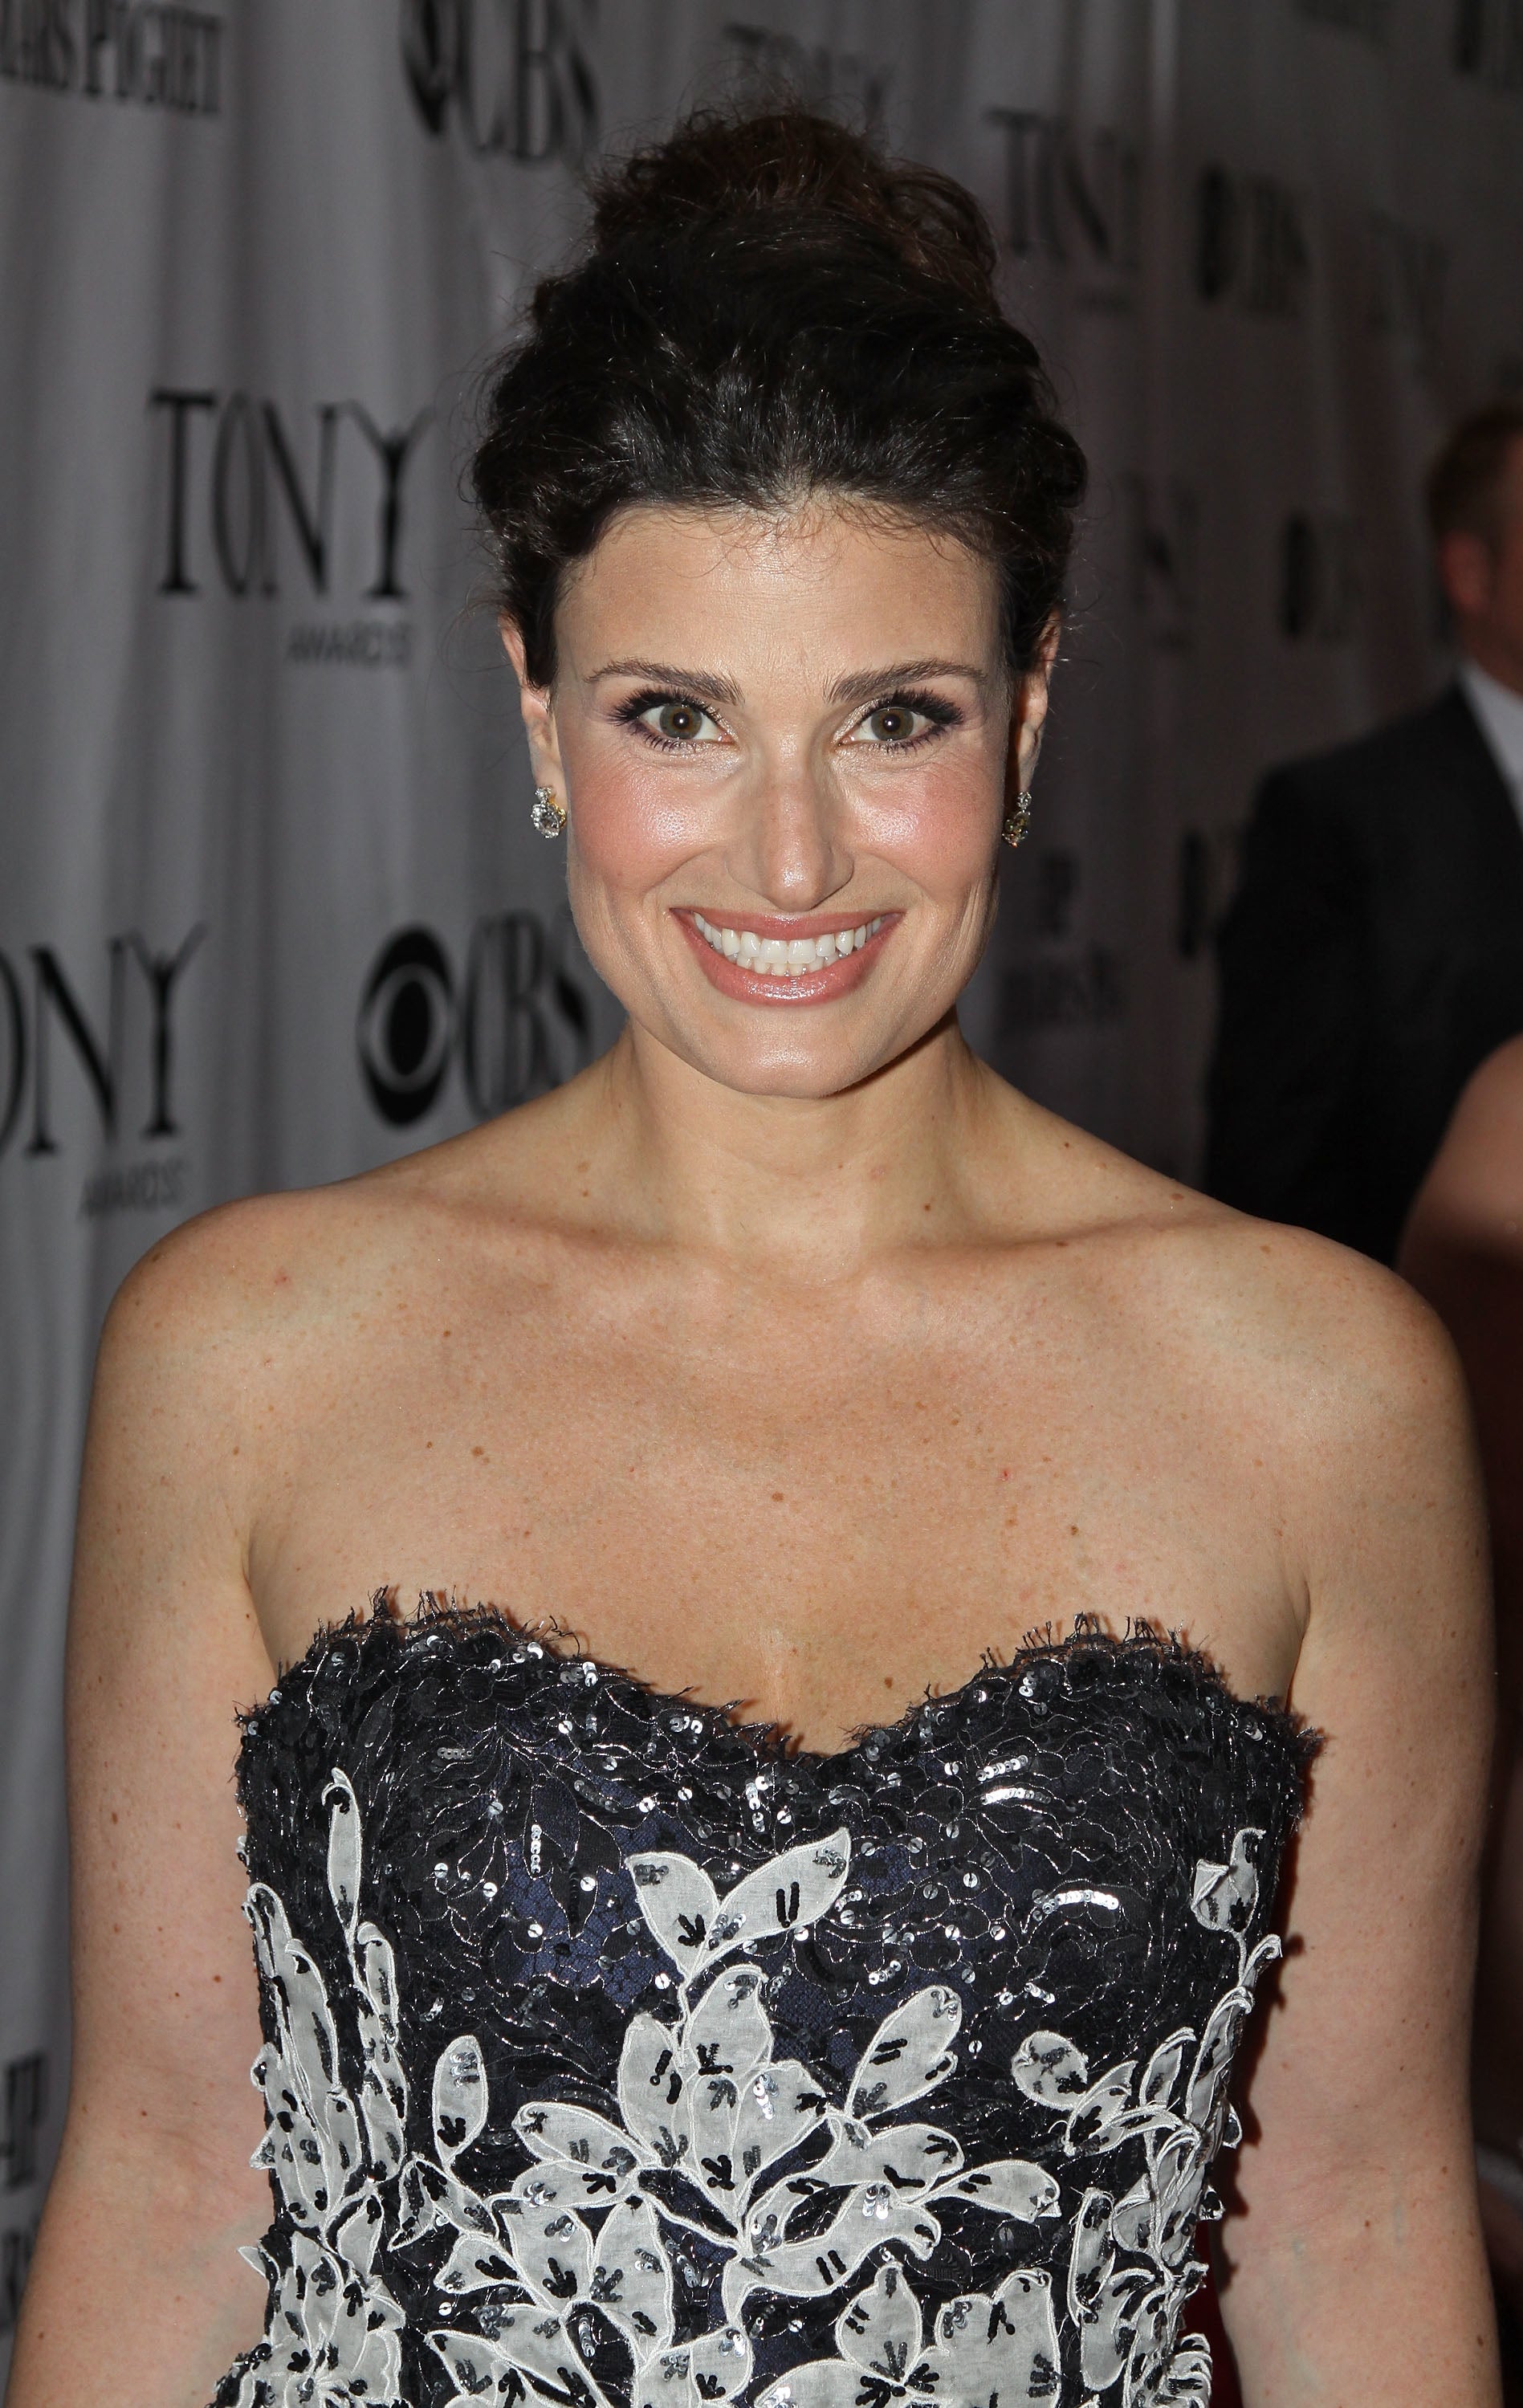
(519, 1021)
(407, 1026)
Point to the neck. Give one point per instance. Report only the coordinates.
(812, 1187)
(1491, 650)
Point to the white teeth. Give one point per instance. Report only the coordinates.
(785, 957)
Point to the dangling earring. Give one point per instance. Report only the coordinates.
(1017, 819)
(547, 811)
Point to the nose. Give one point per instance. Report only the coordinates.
(790, 842)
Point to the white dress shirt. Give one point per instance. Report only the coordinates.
(1499, 712)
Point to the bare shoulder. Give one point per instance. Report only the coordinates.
(1281, 1303)
(1321, 1358)
(1342, 1351)
(277, 1268)
(222, 1283)
(1276, 1295)
(1331, 1373)
(1330, 1415)
(194, 1361)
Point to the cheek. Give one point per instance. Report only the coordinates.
(938, 827)
(632, 828)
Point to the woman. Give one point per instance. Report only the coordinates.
(1464, 1251)
(642, 2035)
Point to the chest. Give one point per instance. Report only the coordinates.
(769, 1501)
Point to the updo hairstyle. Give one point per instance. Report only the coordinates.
(765, 309)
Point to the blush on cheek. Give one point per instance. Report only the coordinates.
(634, 830)
(630, 834)
(938, 831)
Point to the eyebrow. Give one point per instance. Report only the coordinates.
(857, 685)
(861, 686)
(701, 682)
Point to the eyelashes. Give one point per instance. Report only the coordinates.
(632, 711)
(935, 708)
(913, 697)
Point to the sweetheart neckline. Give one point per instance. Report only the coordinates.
(1141, 1642)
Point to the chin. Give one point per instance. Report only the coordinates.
(807, 1075)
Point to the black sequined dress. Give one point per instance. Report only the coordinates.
(616, 2056)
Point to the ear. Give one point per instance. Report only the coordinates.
(538, 706)
(1467, 572)
(1030, 713)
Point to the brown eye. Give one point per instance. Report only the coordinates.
(892, 722)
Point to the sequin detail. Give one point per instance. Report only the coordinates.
(768, 2091)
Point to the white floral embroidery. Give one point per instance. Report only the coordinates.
(709, 2122)
(708, 2118)
(989, 2346)
(1131, 2267)
(331, 2331)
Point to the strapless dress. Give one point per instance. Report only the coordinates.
(618, 2055)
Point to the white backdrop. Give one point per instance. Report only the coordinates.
(269, 908)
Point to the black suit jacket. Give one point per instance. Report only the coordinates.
(1373, 957)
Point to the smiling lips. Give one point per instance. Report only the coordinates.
(762, 965)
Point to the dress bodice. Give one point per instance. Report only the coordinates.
(618, 2058)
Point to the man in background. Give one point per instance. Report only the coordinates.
(1374, 955)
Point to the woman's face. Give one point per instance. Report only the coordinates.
(785, 746)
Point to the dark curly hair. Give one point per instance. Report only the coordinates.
(768, 309)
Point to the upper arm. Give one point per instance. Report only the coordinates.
(1362, 2159)
(164, 1645)
(136, 2266)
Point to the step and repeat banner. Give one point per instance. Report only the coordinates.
(271, 910)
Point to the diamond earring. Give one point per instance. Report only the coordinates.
(1017, 819)
(547, 811)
